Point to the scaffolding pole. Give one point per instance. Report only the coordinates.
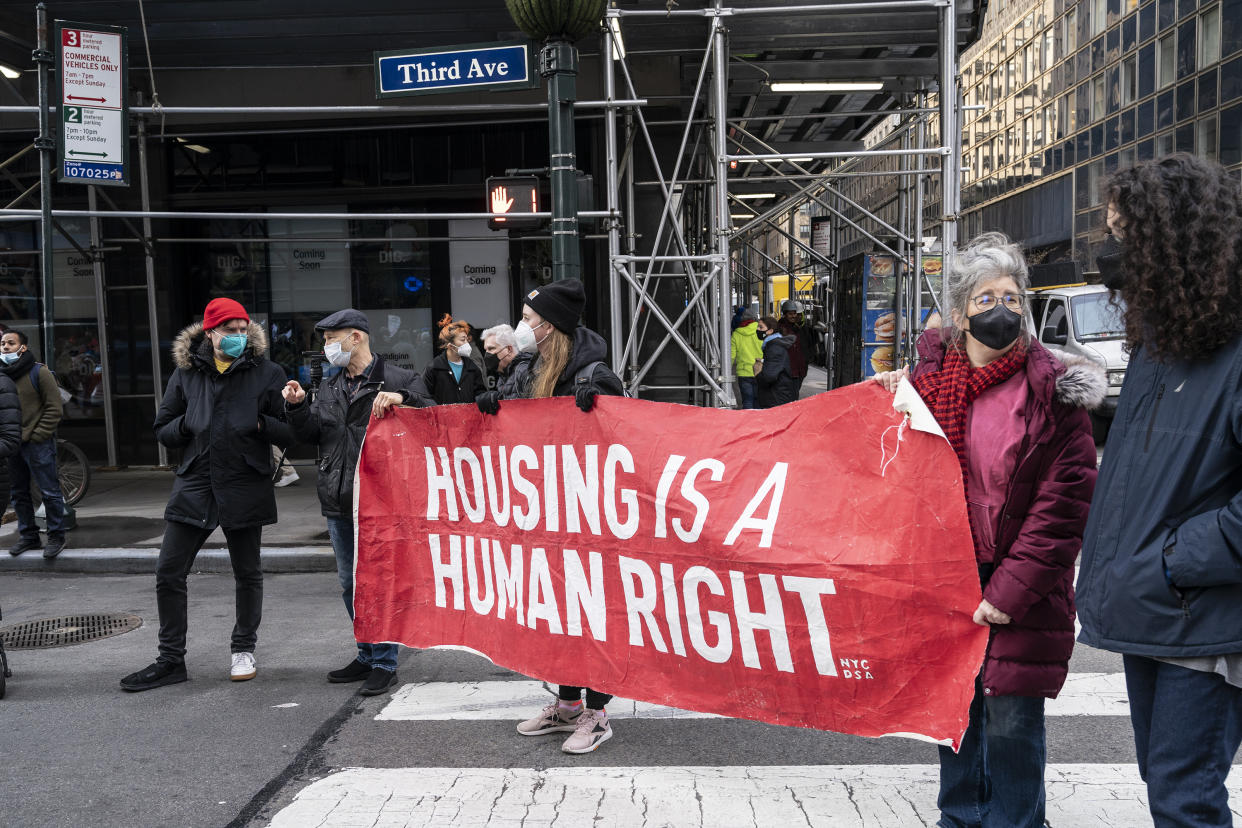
(950, 137)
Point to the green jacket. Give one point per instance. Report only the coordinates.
(746, 349)
(41, 407)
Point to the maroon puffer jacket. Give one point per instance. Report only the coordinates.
(1040, 531)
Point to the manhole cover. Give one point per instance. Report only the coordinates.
(66, 630)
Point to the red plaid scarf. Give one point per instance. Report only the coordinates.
(950, 391)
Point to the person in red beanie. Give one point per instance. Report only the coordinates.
(223, 408)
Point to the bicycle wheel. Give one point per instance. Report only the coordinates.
(74, 471)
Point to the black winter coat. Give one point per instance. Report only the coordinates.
(514, 383)
(1169, 497)
(588, 347)
(444, 387)
(10, 433)
(775, 381)
(226, 425)
(337, 423)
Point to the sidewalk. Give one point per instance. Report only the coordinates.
(816, 382)
(120, 524)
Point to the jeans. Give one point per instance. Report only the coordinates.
(594, 699)
(747, 387)
(177, 552)
(341, 531)
(37, 461)
(1187, 728)
(997, 778)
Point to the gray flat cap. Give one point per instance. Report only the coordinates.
(348, 318)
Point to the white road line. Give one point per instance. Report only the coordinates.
(841, 796)
(1085, 694)
(516, 700)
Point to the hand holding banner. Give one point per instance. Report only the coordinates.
(774, 565)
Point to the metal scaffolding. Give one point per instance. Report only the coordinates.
(671, 286)
(695, 243)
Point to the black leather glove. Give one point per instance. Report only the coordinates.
(489, 402)
(584, 395)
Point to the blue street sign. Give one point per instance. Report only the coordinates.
(455, 69)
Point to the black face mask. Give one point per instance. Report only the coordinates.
(1109, 263)
(997, 328)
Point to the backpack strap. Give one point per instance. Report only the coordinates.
(586, 372)
(34, 380)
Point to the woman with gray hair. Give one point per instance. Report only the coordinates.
(1016, 416)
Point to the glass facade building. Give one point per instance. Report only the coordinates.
(1058, 95)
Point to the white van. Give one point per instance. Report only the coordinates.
(1083, 319)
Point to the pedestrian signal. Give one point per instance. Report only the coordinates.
(517, 198)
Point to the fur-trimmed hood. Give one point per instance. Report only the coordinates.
(1083, 383)
(189, 344)
(1055, 375)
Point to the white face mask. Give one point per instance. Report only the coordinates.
(525, 336)
(10, 358)
(333, 353)
(464, 350)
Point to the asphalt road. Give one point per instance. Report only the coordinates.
(78, 751)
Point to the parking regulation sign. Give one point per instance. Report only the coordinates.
(94, 125)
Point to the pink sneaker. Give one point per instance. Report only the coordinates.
(591, 732)
(552, 719)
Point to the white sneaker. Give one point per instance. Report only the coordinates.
(286, 479)
(243, 667)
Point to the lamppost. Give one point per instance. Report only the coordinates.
(558, 23)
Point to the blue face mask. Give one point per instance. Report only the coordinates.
(233, 344)
(9, 359)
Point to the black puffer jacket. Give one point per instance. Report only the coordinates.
(588, 347)
(10, 433)
(776, 382)
(444, 387)
(515, 382)
(338, 422)
(226, 425)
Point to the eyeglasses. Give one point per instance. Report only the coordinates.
(986, 301)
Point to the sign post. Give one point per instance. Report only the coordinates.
(93, 104)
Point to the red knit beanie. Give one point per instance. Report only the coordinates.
(222, 310)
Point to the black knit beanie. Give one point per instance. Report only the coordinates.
(559, 303)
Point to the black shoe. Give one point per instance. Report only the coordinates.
(355, 670)
(25, 545)
(54, 546)
(157, 675)
(378, 681)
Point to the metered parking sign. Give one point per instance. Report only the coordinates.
(94, 134)
(454, 69)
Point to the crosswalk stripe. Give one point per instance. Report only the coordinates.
(1085, 694)
(869, 796)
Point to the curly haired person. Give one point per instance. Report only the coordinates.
(1161, 577)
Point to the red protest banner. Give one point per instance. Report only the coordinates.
(774, 565)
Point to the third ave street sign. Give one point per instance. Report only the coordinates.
(454, 69)
(94, 127)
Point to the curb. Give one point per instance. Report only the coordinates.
(276, 560)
